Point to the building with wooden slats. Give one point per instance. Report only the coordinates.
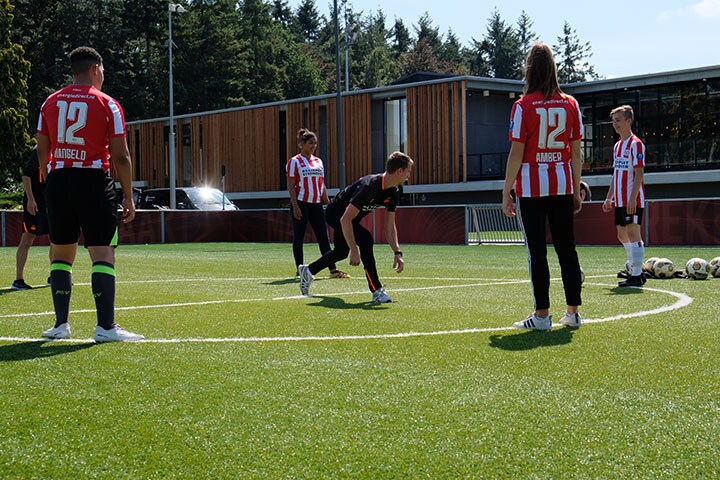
(454, 127)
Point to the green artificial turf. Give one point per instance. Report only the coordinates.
(332, 386)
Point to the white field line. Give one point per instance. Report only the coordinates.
(683, 300)
(276, 279)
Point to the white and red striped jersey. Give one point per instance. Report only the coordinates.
(309, 177)
(628, 155)
(80, 120)
(546, 127)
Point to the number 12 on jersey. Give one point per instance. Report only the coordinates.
(551, 117)
(74, 112)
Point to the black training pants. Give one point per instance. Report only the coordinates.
(311, 213)
(558, 210)
(364, 241)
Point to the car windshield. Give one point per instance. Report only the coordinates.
(208, 198)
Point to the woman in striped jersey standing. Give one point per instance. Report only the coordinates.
(544, 167)
(306, 185)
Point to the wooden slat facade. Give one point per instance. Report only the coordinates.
(248, 141)
(436, 132)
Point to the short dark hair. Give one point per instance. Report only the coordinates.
(83, 58)
(586, 188)
(398, 160)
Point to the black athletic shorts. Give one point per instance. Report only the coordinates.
(35, 224)
(81, 200)
(622, 218)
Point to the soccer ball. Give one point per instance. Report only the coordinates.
(714, 266)
(697, 268)
(664, 268)
(582, 276)
(647, 266)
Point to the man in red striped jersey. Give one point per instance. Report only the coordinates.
(628, 191)
(544, 165)
(79, 129)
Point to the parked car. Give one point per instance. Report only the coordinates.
(186, 198)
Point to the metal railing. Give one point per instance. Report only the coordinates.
(486, 224)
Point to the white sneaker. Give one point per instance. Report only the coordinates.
(306, 278)
(533, 322)
(381, 296)
(57, 333)
(571, 320)
(116, 334)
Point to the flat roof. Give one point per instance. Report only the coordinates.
(483, 83)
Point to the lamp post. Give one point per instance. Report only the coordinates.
(338, 108)
(172, 7)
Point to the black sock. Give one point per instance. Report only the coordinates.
(61, 280)
(103, 288)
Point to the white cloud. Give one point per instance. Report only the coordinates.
(707, 8)
(704, 9)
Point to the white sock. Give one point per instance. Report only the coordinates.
(628, 251)
(638, 254)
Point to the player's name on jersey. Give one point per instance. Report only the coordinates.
(548, 157)
(69, 154)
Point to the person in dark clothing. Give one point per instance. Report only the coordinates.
(347, 209)
(35, 220)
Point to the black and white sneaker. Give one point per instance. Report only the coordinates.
(633, 281)
(306, 278)
(534, 322)
(20, 285)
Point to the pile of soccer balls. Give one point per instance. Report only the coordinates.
(695, 268)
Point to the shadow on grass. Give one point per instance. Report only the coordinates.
(533, 339)
(625, 291)
(284, 281)
(339, 303)
(3, 291)
(38, 349)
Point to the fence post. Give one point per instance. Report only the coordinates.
(647, 222)
(2, 214)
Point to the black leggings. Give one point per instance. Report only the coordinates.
(364, 241)
(558, 210)
(312, 213)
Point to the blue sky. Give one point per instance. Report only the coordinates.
(627, 37)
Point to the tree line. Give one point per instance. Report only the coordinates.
(233, 53)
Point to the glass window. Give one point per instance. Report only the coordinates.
(395, 125)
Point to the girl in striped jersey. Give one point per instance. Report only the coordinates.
(306, 185)
(544, 166)
(628, 192)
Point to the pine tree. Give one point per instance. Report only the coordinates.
(210, 64)
(451, 57)
(526, 37)
(571, 55)
(14, 70)
(428, 33)
(309, 20)
(401, 38)
(500, 47)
